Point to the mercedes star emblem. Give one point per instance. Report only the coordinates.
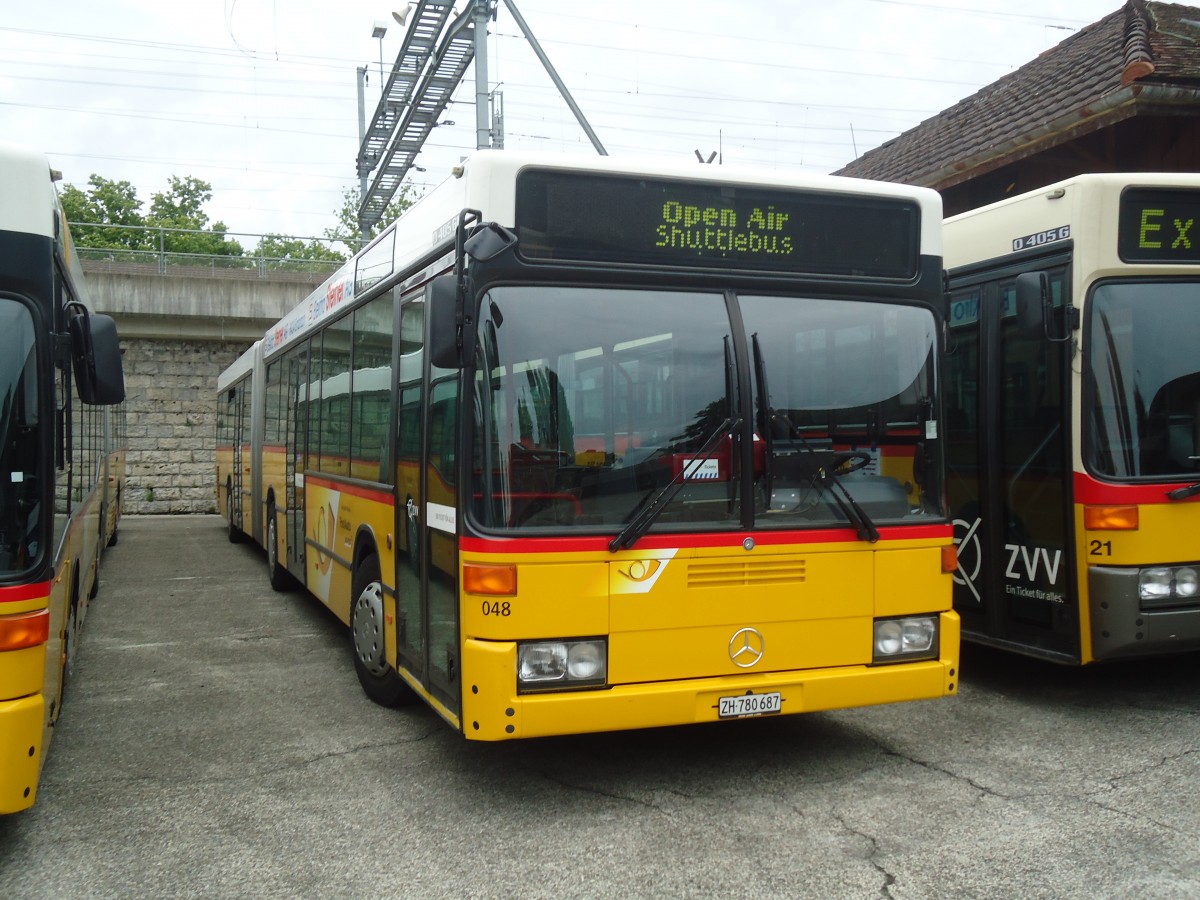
(746, 647)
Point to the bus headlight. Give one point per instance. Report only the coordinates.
(1186, 582)
(1154, 584)
(1166, 586)
(557, 665)
(908, 638)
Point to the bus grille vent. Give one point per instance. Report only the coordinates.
(734, 573)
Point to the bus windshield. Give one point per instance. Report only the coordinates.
(19, 507)
(581, 426)
(1142, 411)
(844, 386)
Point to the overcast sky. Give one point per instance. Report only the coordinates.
(259, 97)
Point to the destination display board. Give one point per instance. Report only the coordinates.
(1156, 225)
(623, 220)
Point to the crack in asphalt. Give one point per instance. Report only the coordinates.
(599, 792)
(1114, 782)
(983, 789)
(234, 777)
(885, 890)
(1089, 797)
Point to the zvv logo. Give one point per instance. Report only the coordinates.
(1027, 564)
(1030, 563)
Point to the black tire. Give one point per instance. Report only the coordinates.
(95, 589)
(116, 532)
(379, 680)
(70, 647)
(281, 580)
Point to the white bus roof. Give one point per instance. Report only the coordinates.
(27, 196)
(486, 182)
(1085, 204)
(239, 368)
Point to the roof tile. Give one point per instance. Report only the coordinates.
(1061, 89)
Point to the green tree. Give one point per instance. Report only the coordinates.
(347, 230)
(106, 203)
(277, 246)
(181, 206)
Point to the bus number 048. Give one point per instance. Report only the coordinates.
(497, 608)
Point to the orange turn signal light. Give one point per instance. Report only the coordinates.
(497, 581)
(1110, 518)
(27, 630)
(950, 559)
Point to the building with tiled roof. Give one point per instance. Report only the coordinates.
(1122, 94)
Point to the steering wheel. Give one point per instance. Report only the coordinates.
(543, 455)
(845, 463)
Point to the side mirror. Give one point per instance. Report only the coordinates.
(96, 359)
(445, 325)
(1033, 302)
(489, 242)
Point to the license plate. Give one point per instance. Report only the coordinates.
(749, 705)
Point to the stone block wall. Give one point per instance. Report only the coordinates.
(180, 328)
(171, 402)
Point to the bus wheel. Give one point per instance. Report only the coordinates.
(116, 519)
(280, 579)
(70, 641)
(95, 589)
(235, 533)
(379, 680)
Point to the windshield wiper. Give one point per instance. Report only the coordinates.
(823, 479)
(826, 478)
(1184, 492)
(650, 507)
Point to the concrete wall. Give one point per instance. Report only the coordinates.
(147, 304)
(178, 332)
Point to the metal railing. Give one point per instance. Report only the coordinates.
(163, 261)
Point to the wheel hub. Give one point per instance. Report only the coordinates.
(367, 627)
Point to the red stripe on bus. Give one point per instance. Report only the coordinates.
(22, 592)
(1098, 493)
(690, 541)
(353, 490)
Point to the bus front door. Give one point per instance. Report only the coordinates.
(1009, 470)
(427, 611)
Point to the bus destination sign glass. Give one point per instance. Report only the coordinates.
(590, 218)
(1157, 225)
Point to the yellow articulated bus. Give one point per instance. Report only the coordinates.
(61, 463)
(1073, 418)
(578, 446)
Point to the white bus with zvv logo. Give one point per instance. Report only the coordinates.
(1073, 418)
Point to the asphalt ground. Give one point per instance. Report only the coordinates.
(215, 743)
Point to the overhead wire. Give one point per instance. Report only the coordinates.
(634, 114)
